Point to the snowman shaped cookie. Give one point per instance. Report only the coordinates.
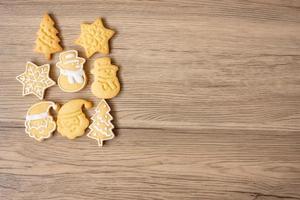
(106, 84)
(72, 77)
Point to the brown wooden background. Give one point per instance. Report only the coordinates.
(209, 108)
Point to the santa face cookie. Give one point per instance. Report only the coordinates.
(71, 121)
(72, 77)
(106, 84)
(39, 123)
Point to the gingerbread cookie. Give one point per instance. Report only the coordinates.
(101, 128)
(35, 79)
(106, 84)
(94, 38)
(47, 41)
(71, 121)
(39, 123)
(72, 77)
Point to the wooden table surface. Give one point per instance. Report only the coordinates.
(209, 107)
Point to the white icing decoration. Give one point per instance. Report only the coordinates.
(71, 61)
(73, 76)
(69, 56)
(37, 116)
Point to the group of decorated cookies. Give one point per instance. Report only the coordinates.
(71, 121)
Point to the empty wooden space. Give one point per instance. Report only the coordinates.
(209, 107)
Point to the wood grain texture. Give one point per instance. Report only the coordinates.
(209, 107)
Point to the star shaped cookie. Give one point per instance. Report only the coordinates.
(94, 38)
(35, 79)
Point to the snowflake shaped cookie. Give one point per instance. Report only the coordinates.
(94, 38)
(35, 79)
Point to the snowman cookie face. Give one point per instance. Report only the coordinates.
(72, 77)
(106, 84)
(109, 73)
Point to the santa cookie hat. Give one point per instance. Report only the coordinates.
(73, 108)
(69, 58)
(40, 110)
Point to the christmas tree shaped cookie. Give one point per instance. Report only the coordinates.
(47, 41)
(94, 38)
(101, 128)
(35, 79)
